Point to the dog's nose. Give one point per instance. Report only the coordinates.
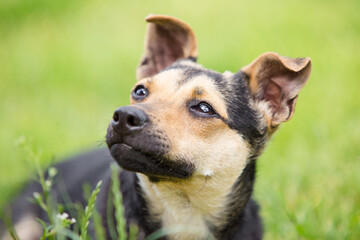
(128, 119)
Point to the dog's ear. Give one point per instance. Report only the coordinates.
(277, 81)
(167, 40)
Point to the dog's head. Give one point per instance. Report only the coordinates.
(186, 121)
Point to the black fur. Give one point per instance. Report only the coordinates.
(241, 210)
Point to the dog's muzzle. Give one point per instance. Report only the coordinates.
(137, 147)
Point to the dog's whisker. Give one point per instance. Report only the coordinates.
(101, 141)
(203, 186)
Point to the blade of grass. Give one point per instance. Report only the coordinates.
(34, 158)
(133, 232)
(109, 216)
(89, 211)
(99, 229)
(9, 225)
(118, 203)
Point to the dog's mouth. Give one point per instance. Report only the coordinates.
(156, 167)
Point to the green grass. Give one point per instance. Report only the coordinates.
(66, 65)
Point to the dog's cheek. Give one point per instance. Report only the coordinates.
(226, 153)
(213, 148)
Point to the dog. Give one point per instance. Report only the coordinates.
(188, 142)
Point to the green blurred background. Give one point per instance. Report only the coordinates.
(66, 65)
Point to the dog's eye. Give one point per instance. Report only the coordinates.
(203, 108)
(140, 92)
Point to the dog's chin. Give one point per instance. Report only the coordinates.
(156, 168)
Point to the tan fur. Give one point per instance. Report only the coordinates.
(218, 153)
(173, 94)
(202, 198)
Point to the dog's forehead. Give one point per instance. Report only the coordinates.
(188, 70)
(187, 80)
(187, 73)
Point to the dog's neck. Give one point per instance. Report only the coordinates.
(198, 207)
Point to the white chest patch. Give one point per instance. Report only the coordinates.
(185, 210)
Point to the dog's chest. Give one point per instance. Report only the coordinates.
(188, 215)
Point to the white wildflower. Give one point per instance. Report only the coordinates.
(52, 172)
(63, 216)
(36, 195)
(48, 183)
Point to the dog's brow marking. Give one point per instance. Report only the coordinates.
(198, 91)
(209, 92)
(149, 80)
